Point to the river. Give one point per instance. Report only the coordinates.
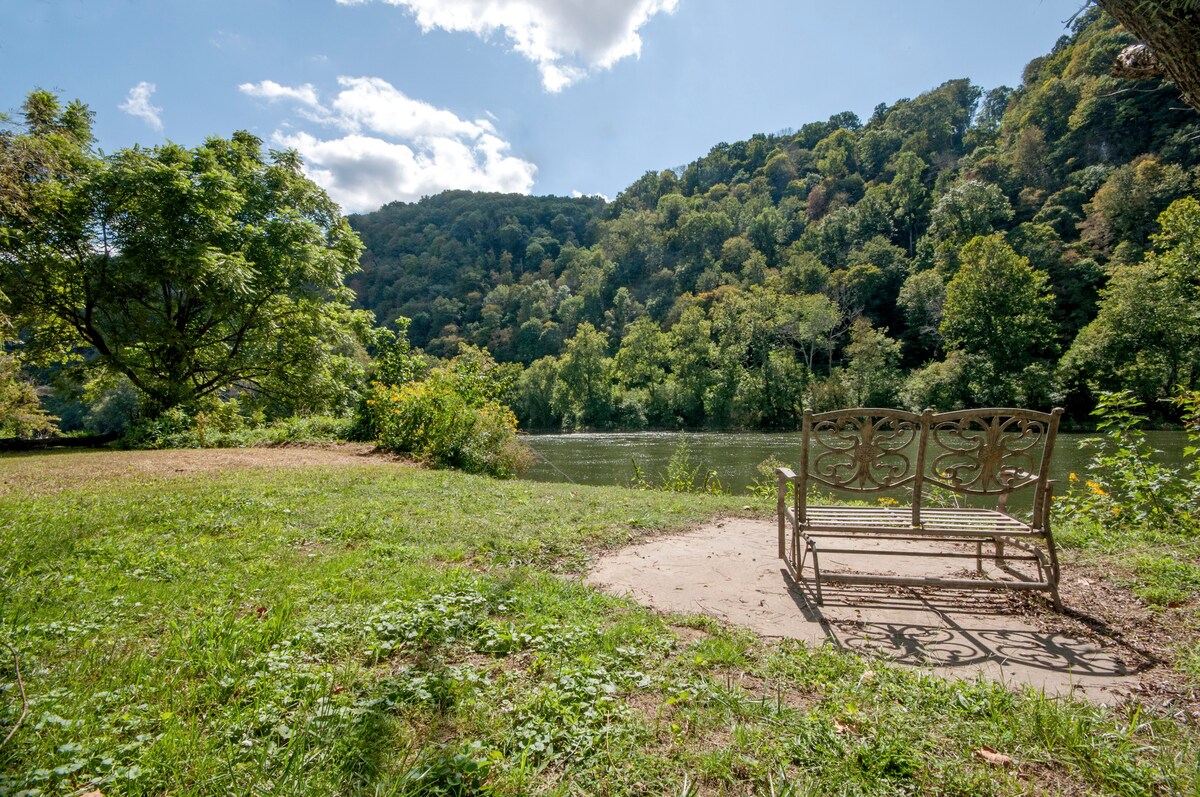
(608, 458)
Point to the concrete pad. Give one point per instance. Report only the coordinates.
(729, 571)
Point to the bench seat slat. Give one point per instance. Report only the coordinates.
(866, 520)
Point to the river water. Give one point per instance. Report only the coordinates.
(609, 458)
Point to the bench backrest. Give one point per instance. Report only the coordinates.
(994, 451)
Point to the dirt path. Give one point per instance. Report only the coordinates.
(52, 471)
(729, 570)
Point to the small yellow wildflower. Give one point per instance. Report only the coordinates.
(1095, 488)
(1073, 477)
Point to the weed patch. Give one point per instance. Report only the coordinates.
(400, 631)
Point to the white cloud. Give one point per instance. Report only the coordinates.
(580, 195)
(374, 104)
(565, 38)
(389, 146)
(138, 104)
(270, 90)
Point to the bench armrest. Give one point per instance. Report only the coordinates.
(785, 476)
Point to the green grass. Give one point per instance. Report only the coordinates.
(1159, 564)
(389, 631)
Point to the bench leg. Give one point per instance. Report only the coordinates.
(1052, 553)
(1047, 573)
(810, 547)
(979, 558)
(782, 514)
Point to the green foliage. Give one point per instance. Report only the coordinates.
(967, 211)
(452, 418)
(223, 424)
(681, 475)
(582, 387)
(719, 295)
(21, 412)
(447, 246)
(1124, 211)
(455, 772)
(1146, 335)
(235, 258)
(872, 374)
(395, 362)
(1127, 497)
(997, 306)
(1124, 480)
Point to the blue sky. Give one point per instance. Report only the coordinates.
(396, 99)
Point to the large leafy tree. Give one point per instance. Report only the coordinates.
(53, 150)
(21, 411)
(1146, 336)
(969, 209)
(582, 391)
(997, 306)
(187, 271)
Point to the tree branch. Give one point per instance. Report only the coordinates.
(24, 700)
(1169, 30)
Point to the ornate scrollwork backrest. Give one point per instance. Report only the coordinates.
(989, 452)
(864, 450)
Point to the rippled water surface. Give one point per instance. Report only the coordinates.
(608, 458)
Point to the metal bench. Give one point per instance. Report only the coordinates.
(868, 451)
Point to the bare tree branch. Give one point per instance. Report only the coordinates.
(24, 700)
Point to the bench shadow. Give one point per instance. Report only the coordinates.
(956, 641)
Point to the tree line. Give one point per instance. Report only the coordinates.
(1027, 246)
(964, 247)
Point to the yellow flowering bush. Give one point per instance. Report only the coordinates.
(1124, 481)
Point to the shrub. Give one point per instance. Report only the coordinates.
(1123, 481)
(453, 418)
(221, 425)
(1129, 502)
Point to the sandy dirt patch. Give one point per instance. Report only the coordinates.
(728, 570)
(52, 471)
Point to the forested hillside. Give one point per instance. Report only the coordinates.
(436, 261)
(963, 247)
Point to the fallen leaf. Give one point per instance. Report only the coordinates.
(849, 726)
(993, 757)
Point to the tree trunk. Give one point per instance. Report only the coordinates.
(1171, 28)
